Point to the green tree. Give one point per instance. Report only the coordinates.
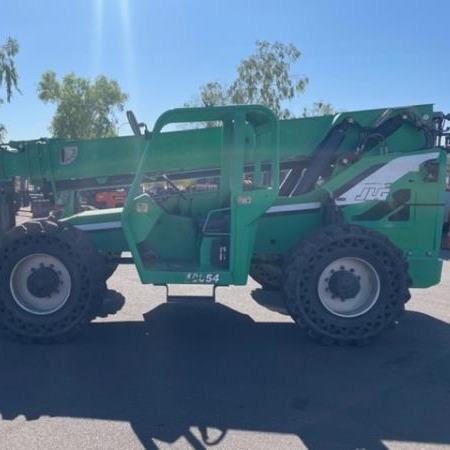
(8, 72)
(84, 109)
(266, 78)
(213, 93)
(318, 109)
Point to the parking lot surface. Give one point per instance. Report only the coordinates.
(227, 375)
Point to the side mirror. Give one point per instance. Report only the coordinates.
(133, 123)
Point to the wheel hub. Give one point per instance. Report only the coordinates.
(344, 284)
(348, 287)
(40, 284)
(43, 282)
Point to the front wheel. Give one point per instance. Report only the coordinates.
(52, 282)
(346, 284)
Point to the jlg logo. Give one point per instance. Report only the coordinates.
(373, 193)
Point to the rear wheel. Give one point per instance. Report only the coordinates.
(346, 284)
(53, 282)
(268, 273)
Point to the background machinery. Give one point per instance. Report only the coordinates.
(341, 214)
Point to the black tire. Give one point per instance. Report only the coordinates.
(346, 284)
(110, 265)
(54, 310)
(269, 274)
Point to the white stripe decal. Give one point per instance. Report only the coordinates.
(377, 185)
(295, 207)
(99, 226)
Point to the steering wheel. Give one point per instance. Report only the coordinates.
(133, 123)
(174, 187)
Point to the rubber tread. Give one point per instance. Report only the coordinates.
(312, 255)
(87, 269)
(267, 274)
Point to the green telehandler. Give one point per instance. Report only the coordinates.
(339, 215)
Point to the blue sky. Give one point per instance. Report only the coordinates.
(357, 54)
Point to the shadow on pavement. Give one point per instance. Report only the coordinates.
(211, 369)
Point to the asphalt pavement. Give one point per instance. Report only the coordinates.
(227, 375)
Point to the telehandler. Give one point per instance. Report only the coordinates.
(341, 214)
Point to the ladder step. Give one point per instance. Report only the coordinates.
(209, 297)
(191, 298)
